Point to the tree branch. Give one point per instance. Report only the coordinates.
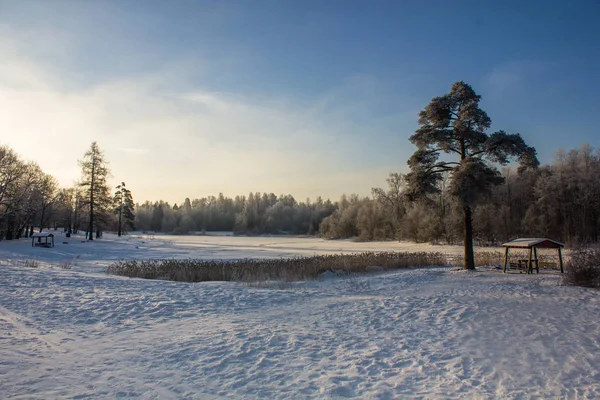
(440, 168)
(440, 149)
(483, 151)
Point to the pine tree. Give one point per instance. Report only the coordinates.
(95, 173)
(124, 206)
(454, 124)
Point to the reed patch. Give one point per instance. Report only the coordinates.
(284, 269)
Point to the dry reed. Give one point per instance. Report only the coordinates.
(285, 269)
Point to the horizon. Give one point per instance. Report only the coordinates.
(193, 99)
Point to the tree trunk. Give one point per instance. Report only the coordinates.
(42, 220)
(469, 256)
(75, 215)
(120, 217)
(69, 224)
(10, 229)
(91, 224)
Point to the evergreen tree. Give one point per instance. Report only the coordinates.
(124, 206)
(95, 187)
(454, 124)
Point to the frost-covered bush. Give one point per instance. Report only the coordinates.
(583, 268)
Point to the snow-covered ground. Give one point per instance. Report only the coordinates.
(419, 333)
(96, 255)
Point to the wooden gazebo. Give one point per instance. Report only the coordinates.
(533, 244)
(47, 242)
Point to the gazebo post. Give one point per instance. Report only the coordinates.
(560, 262)
(535, 256)
(529, 266)
(505, 258)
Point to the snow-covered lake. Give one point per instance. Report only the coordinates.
(96, 255)
(426, 333)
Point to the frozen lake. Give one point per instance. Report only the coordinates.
(100, 253)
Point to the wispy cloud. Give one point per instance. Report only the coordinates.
(514, 76)
(132, 150)
(194, 141)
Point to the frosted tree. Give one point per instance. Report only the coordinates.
(96, 192)
(455, 125)
(393, 200)
(123, 203)
(65, 206)
(45, 198)
(157, 217)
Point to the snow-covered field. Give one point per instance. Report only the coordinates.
(426, 333)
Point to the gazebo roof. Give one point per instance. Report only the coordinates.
(43, 234)
(533, 242)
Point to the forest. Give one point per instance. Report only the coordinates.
(560, 200)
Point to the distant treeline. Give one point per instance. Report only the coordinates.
(253, 214)
(560, 200)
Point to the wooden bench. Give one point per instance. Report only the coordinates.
(529, 268)
(517, 265)
(522, 265)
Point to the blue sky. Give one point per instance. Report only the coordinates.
(192, 98)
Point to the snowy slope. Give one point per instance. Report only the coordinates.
(424, 333)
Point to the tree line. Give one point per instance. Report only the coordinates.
(560, 200)
(31, 198)
(257, 213)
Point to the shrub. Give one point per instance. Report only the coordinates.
(489, 258)
(66, 265)
(286, 269)
(583, 268)
(482, 259)
(31, 264)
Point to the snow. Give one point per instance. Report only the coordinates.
(418, 333)
(95, 256)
